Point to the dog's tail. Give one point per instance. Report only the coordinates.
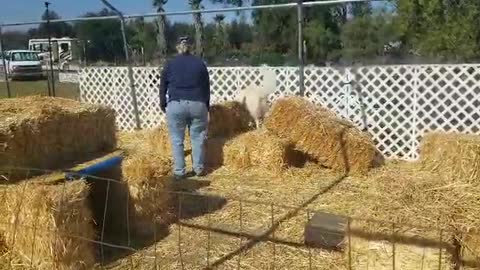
(269, 85)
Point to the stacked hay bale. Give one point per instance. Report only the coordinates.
(149, 184)
(334, 143)
(229, 119)
(226, 121)
(215, 153)
(147, 171)
(470, 244)
(48, 133)
(260, 149)
(455, 156)
(158, 141)
(49, 226)
(297, 131)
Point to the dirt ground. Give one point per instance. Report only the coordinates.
(256, 220)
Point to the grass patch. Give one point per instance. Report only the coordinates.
(31, 88)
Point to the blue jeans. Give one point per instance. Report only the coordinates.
(194, 115)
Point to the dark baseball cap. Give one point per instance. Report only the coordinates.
(184, 39)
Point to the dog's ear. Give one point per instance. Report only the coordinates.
(244, 100)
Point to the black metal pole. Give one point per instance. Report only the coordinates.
(129, 65)
(5, 73)
(300, 47)
(50, 48)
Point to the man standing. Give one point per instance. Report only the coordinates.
(185, 97)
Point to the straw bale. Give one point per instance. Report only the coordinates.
(158, 142)
(51, 133)
(214, 152)
(229, 119)
(51, 227)
(133, 142)
(334, 143)
(3, 244)
(455, 156)
(261, 149)
(149, 183)
(471, 249)
(226, 120)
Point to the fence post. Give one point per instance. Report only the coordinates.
(52, 74)
(2, 54)
(300, 47)
(129, 65)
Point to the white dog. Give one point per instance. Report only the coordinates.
(255, 97)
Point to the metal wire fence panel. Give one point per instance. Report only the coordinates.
(90, 223)
(396, 104)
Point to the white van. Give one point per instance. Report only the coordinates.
(23, 64)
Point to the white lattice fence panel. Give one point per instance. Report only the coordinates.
(381, 101)
(109, 86)
(248, 76)
(147, 83)
(125, 108)
(287, 83)
(226, 82)
(223, 84)
(448, 99)
(397, 104)
(325, 87)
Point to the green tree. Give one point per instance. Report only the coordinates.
(360, 9)
(322, 42)
(275, 28)
(161, 23)
(445, 30)
(367, 37)
(57, 29)
(239, 33)
(220, 37)
(197, 19)
(15, 40)
(104, 37)
(143, 37)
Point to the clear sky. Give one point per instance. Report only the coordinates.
(30, 10)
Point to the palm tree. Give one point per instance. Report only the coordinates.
(220, 34)
(161, 27)
(197, 18)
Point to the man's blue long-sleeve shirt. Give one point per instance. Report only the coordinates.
(185, 77)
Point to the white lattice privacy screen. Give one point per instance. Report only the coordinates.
(396, 104)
